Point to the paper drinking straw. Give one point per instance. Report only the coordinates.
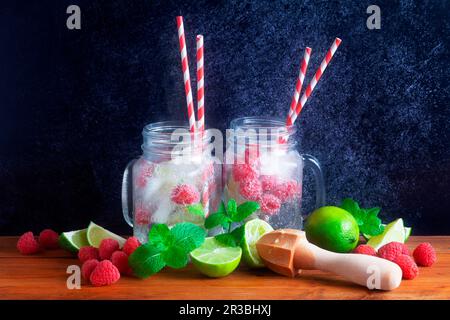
(299, 84)
(200, 85)
(186, 76)
(314, 80)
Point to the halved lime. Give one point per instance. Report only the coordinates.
(95, 235)
(254, 229)
(73, 240)
(394, 231)
(407, 233)
(215, 259)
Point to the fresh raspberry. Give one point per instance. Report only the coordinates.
(88, 253)
(27, 244)
(424, 254)
(270, 204)
(142, 216)
(130, 245)
(365, 249)
(408, 266)
(244, 171)
(87, 268)
(185, 194)
(287, 190)
(250, 189)
(104, 274)
(48, 239)
(145, 172)
(392, 250)
(120, 260)
(107, 247)
(269, 183)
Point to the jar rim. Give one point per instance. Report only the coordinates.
(269, 128)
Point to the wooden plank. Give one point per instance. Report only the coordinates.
(44, 276)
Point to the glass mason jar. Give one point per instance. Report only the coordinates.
(262, 164)
(169, 176)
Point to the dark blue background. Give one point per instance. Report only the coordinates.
(73, 103)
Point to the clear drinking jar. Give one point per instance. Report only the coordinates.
(169, 176)
(262, 164)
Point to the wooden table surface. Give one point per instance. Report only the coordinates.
(44, 276)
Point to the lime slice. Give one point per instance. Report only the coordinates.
(394, 231)
(215, 259)
(407, 233)
(95, 235)
(73, 240)
(254, 229)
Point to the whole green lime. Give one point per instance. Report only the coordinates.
(333, 229)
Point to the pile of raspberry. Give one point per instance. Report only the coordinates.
(423, 255)
(270, 191)
(105, 265)
(100, 267)
(29, 244)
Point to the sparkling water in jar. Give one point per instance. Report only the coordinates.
(262, 164)
(172, 175)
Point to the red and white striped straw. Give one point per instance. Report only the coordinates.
(309, 89)
(186, 76)
(200, 85)
(299, 84)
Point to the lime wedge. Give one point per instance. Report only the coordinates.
(394, 231)
(407, 233)
(254, 229)
(215, 259)
(73, 240)
(95, 235)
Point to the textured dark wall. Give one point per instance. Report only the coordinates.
(73, 103)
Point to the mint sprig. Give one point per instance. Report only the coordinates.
(166, 247)
(225, 216)
(367, 219)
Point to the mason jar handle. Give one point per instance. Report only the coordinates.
(127, 193)
(311, 162)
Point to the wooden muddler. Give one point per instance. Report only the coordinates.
(287, 251)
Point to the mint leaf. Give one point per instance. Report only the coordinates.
(350, 205)
(238, 234)
(366, 219)
(244, 210)
(146, 260)
(373, 211)
(231, 208)
(371, 224)
(188, 236)
(217, 219)
(226, 239)
(196, 209)
(221, 208)
(160, 236)
(176, 257)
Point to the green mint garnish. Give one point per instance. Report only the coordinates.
(244, 210)
(367, 219)
(146, 260)
(226, 216)
(166, 247)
